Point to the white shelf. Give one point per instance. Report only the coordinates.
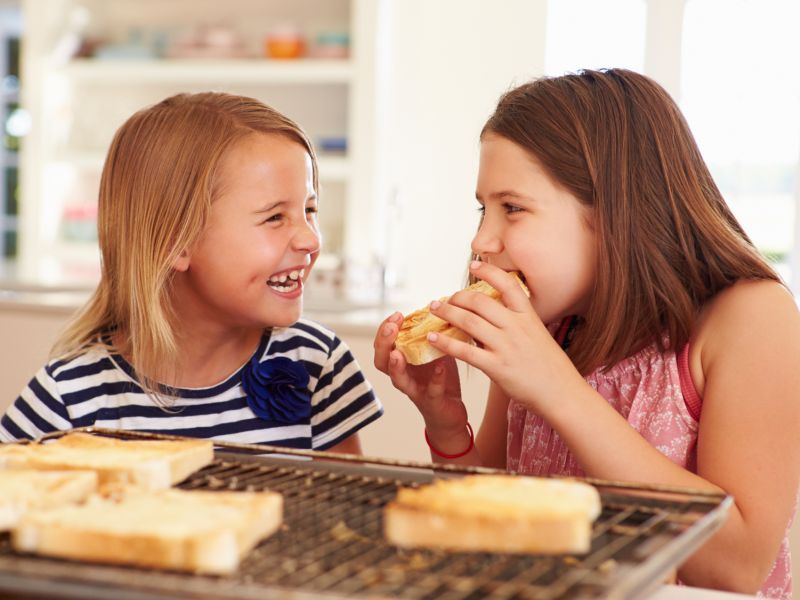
(331, 168)
(261, 71)
(88, 98)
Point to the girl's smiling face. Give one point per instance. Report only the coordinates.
(262, 238)
(533, 225)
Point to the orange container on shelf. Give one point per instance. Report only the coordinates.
(284, 42)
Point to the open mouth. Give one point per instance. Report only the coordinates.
(519, 274)
(287, 281)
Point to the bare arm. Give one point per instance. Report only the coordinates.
(434, 388)
(349, 445)
(745, 361)
(491, 439)
(436, 391)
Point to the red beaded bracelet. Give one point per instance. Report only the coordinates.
(460, 454)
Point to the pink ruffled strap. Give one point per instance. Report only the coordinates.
(694, 403)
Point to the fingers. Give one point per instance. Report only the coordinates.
(436, 385)
(480, 304)
(512, 294)
(469, 317)
(402, 379)
(470, 354)
(393, 363)
(384, 341)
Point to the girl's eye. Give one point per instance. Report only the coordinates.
(481, 210)
(311, 210)
(510, 208)
(274, 218)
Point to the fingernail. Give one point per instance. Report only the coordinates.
(387, 330)
(432, 337)
(396, 317)
(392, 359)
(475, 265)
(435, 304)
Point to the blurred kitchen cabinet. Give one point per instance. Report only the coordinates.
(89, 64)
(13, 122)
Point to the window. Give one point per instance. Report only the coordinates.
(740, 87)
(734, 67)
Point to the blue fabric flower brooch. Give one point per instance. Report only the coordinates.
(277, 390)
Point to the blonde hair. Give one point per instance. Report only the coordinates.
(156, 190)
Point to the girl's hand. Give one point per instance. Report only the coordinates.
(514, 348)
(434, 388)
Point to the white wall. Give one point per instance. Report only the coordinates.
(28, 334)
(448, 62)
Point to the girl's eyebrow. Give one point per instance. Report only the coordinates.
(271, 207)
(311, 198)
(505, 194)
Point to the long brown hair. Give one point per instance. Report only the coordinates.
(156, 191)
(667, 242)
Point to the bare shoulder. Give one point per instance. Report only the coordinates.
(747, 318)
(750, 291)
(749, 304)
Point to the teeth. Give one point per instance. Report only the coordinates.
(292, 286)
(292, 276)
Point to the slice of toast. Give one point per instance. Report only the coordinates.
(197, 531)
(22, 490)
(495, 513)
(412, 339)
(149, 464)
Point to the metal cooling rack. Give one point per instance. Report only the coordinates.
(332, 546)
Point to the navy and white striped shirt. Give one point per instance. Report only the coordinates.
(98, 389)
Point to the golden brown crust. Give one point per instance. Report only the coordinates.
(500, 513)
(199, 531)
(409, 528)
(412, 340)
(149, 464)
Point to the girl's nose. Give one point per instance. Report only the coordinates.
(307, 239)
(486, 241)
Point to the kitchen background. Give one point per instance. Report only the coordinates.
(393, 94)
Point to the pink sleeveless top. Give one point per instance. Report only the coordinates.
(654, 392)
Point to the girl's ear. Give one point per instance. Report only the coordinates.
(181, 263)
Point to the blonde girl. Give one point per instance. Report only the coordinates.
(657, 345)
(208, 231)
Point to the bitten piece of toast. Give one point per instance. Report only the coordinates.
(197, 531)
(412, 339)
(495, 513)
(149, 464)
